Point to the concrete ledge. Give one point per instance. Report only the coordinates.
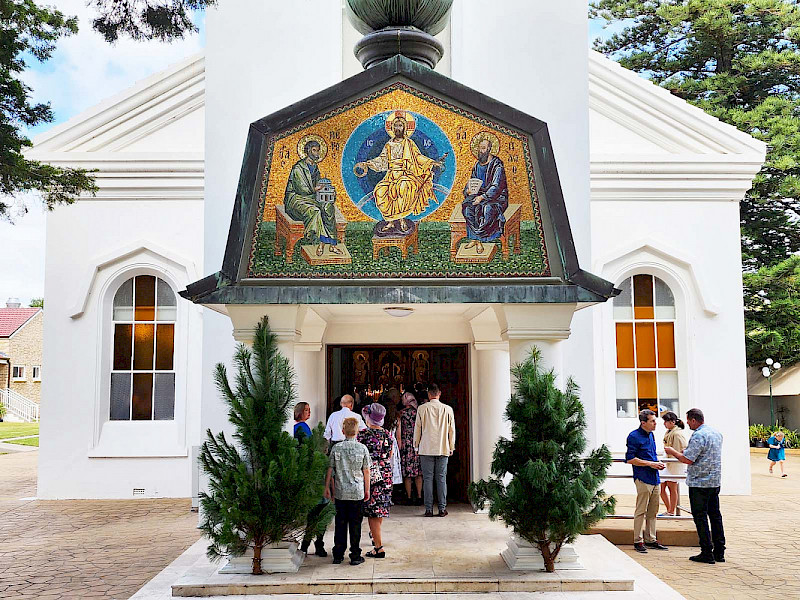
(545, 582)
(670, 533)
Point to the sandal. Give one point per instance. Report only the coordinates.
(378, 552)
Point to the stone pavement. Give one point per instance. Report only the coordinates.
(763, 556)
(83, 548)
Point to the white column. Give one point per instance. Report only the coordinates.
(492, 393)
(551, 350)
(309, 371)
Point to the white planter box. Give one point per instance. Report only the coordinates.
(275, 558)
(522, 556)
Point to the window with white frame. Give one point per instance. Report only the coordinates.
(37, 373)
(646, 373)
(143, 361)
(18, 373)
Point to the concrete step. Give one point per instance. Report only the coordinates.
(671, 532)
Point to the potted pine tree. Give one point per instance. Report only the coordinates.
(543, 486)
(262, 486)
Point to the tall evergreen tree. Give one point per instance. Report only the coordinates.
(261, 488)
(772, 313)
(554, 492)
(739, 61)
(29, 31)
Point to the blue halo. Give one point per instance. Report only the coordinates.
(367, 142)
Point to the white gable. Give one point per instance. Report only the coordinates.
(162, 113)
(631, 114)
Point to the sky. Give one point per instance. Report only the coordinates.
(83, 71)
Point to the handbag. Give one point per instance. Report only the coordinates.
(374, 472)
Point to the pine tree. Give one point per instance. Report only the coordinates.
(772, 313)
(739, 60)
(554, 492)
(262, 488)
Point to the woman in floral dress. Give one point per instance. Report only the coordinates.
(379, 443)
(409, 459)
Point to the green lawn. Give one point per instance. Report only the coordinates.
(10, 430)
(34, 441)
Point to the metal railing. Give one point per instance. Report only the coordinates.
(677, 478)
(19, 406)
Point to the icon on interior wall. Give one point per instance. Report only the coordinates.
(421, 365)
(361, 367)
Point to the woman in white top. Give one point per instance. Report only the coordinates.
(674, 438)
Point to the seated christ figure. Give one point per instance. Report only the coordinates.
(408, 183)
(483, 210)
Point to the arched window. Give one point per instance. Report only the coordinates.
(143, 363)
(647, 374)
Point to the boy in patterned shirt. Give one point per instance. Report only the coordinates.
(348, 482)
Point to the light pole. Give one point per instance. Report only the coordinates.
(768, 371)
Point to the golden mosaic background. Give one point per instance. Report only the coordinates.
(460, 130)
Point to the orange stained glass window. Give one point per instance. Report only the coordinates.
(666, 345)
(145, 307)
(643, 297)
(165, 335)
(645, 346)
(625, 346)
(644, 315)
(142, 382)
(647, 389)
(143, 347)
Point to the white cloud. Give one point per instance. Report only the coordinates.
(22, 257)
(83, 71)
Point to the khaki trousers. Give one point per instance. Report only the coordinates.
(647, 503)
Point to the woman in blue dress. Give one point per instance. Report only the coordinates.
(777, 454)
(302, 412)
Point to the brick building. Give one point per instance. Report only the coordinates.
(21, 350)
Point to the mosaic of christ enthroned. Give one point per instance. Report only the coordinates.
(398, 184)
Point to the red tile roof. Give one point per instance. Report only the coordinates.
(12, 319)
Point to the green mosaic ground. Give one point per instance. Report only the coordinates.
(433, 259)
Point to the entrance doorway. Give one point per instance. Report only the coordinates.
(372, 369)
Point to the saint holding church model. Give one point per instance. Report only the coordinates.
(303, 201)
(486, 193)
(408, 184)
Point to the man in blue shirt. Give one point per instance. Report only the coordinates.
(704, 477)
(642, 455)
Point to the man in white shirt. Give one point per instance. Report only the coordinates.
(333, 429)
(435, 440)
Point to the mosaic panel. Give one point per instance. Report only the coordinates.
(398, 184)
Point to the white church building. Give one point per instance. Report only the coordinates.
(650, 184)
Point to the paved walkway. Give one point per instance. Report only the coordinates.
(763, 556)
(83, 548)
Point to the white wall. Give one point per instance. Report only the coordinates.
(256, 63)
(532, 56)
(82, 454)
(699, 259)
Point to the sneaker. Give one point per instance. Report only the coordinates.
(442, 513)
(337, 561)
(357, 561)
(655, 545)
(703, 558)
(428, 513)
(639, 547)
